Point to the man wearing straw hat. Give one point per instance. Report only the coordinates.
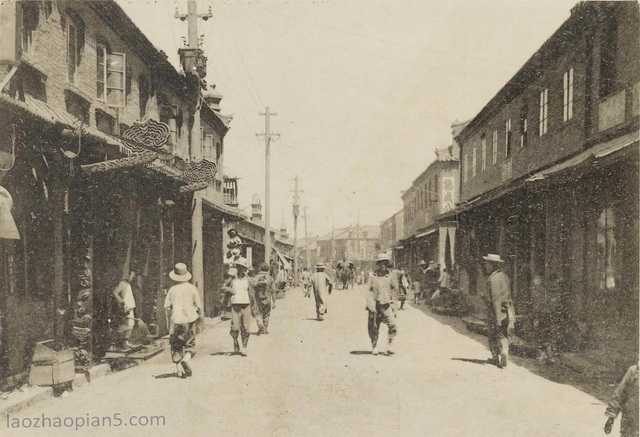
(242, 305)
(322, 287)
(381, 297)
(500, 310)
(183, 305)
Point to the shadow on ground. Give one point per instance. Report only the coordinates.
(599, 387)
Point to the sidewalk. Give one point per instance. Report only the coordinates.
(13, 401)
(589, 371)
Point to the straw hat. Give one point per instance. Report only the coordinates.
(180, 273)
(382, 257)
(241, 262)
(492, 257)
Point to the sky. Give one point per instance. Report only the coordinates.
(364, 90)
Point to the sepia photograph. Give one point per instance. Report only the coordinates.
(300, 218)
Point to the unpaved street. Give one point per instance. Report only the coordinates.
(309, 378)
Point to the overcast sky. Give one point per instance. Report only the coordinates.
(365, 90)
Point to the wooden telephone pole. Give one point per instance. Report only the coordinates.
(267, 183)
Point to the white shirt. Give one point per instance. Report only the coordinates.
(183, 299)
(128, 299)
(240, 289)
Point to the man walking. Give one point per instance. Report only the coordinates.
(305, 282)
(182, 306)
(242, 304)
(322, 287)
(263, 284)
(500, 310)
(382, 293)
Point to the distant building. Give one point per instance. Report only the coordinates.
(357, 243)
(432, 193)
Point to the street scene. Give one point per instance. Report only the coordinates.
(319, 218)
(319, 378)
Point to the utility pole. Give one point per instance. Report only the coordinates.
(296, 212)
(306, 239)
(267, 184)
(191, 58)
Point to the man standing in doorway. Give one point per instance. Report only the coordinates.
(322, 287)
(381, 296)
(242, 305)
(123, 293)
(500, 310)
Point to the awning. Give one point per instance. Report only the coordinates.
(283, 260)
(598, 151)
(424, 234)
(229, 213)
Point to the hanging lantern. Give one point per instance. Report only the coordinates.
(8, 228)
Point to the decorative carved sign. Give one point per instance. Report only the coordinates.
(203, 171)
(142, 139)
(196, 186)
(146, 135)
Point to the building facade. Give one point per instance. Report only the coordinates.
(549, 180)
(101, 150)
(358, 244)
(433, 193)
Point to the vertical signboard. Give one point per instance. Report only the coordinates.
(448, 190)
(8, 32)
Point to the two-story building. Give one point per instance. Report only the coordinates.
(432, 193)
(101, 150)
(549, 180)
(391, 232)
(358, 244)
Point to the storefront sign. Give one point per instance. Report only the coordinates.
(448, 189)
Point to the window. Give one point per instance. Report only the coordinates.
(484, 153)
(473, 163)
(207, 148)
(507, 138)
(567, 87)
(544, 108)
(143, 95)
(606, 265)
(30, 15)
(465, 169)
(523, 126)
(435, 188)
(494, 151)
(72, 51)
(218, 152)
(110, 79)
(608, 53)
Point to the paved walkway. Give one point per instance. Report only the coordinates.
(310, 378)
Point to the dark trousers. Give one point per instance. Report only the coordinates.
(263, 313)
(240, 321)
(386, 314)
(183, 340)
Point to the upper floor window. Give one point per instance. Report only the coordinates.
(544, 109)
(523, 126)
(143, 95)
(473, 162)
(435, 189)
(483, 165)
(74, 29)
(207, 148)
(218, 151)
(494, 151)
(567, 111)
(30, 17)
(110, 79)
(608, 54)
(507, 138)
(465, 169)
